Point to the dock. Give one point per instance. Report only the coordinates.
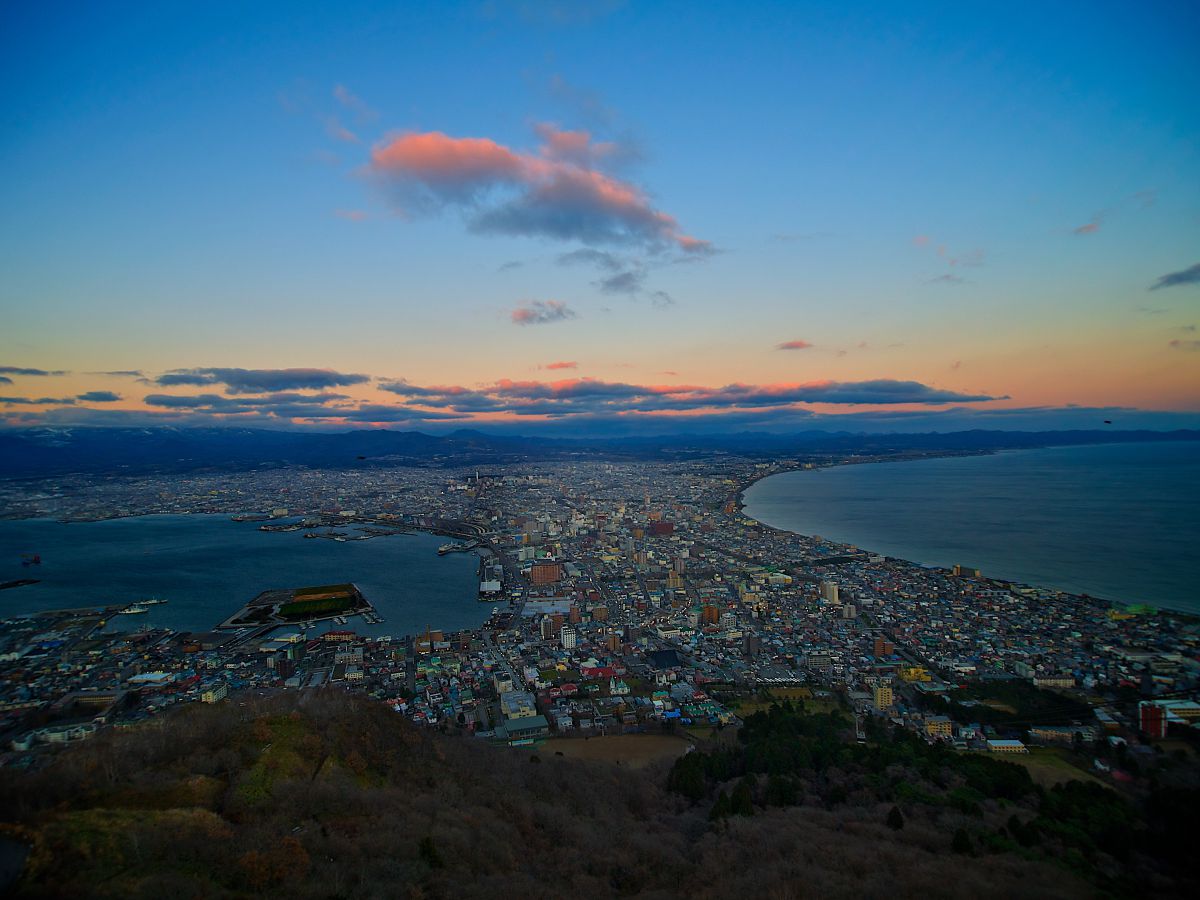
(281, 607)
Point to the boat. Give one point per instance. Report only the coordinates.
(134, 610)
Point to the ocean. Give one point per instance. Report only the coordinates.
(1118, 521)
(207, 566)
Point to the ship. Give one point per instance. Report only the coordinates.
(134, 610)
(31, 559)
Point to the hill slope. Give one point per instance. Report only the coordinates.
(329, 796)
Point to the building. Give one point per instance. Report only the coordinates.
(545, 572)
(1062, 734)
(884, 647)
(882, 697)
(996, 746)
(939, 727)
(517, 705)
(1152, 719)
(215, 693)
(1057, 682)
(524, 731)
(829, 592)
(567, 637)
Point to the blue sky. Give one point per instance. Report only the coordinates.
(972, 197)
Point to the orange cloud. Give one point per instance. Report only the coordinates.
(793, 345)
(566, 364)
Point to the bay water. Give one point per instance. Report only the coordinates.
(207, 566)
(1118, 521)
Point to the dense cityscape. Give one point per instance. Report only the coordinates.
(624, 598)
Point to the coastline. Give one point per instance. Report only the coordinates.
(740, 499)
(740, 506)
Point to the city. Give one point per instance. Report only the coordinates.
(624, 599)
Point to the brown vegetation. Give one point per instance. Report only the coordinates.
(330, 796)
(633, 750)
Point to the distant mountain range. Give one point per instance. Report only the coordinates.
(42, 452)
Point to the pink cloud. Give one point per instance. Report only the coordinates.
(553, 193)
(565, 364)
(352, 215)
(793, 345)
(574, 146)
(920, 240)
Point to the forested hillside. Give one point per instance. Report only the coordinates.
(328, 796)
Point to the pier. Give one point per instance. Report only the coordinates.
(294, 606)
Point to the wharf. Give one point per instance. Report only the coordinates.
(298, 606)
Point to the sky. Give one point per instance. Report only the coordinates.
(601, 217)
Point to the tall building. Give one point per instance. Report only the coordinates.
(1152, 719)
(829, 592)
(567, 636)
(883, 697)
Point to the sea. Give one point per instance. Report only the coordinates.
(1117, 521)
(207, 566)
